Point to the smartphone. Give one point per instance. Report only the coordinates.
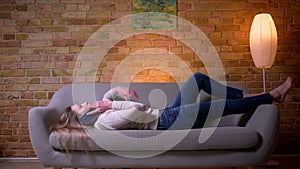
(88, 120)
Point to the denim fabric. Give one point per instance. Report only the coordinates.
(167, 118)
(190, 90)
(186, 113)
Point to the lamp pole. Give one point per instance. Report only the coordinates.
(264, 79)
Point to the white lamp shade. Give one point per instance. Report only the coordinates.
(263, 41)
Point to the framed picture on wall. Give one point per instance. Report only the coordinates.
(154, 14)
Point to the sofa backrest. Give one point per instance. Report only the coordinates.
(151, 94)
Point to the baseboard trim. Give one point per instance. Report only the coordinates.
(285, 155)
(19, 160)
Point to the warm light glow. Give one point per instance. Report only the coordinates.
(263, 40)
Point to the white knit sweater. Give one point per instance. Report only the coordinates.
(126, 115)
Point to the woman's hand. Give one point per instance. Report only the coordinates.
(101, 106)
(141, 107)
(126, 93)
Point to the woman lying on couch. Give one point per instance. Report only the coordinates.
(184, 112)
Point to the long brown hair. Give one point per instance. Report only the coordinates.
(68, 125)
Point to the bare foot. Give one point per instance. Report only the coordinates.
(281, 91)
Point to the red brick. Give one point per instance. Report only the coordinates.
(31, 29)
(11, 138)
(59, 72)
(3, 125)
(78, 21)
(22, 103)
(5, 15)
(164, 42)
(135, 43)
(19, 145)
(199, 14)
(5, 132)
(184, 6)
(227, 27)
(12, 73)
(90, 22)
(225, 48)
(176, 50)
(62, 43)
(37, 72)
(240, 34)
(10, 44)
(16, 87)
(55, 29)
(50, 80)
(9, 36)
(26, 95)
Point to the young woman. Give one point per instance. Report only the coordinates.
(184, 113)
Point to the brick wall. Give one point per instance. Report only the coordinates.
(40, 41)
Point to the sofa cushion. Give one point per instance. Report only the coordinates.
(218, 138)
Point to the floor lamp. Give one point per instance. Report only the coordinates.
(263, 42)
(263, 48)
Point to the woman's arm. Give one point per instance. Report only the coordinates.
(101, 106)
(120, 118)
(121, 105)
(120, 93)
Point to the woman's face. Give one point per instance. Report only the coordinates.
(81, 108)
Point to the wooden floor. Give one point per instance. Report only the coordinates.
(285, 162)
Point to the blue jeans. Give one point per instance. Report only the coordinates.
(186, 113)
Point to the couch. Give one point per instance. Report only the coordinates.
(232, 141)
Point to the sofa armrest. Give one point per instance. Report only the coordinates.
(265, 121)
(40, 119)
